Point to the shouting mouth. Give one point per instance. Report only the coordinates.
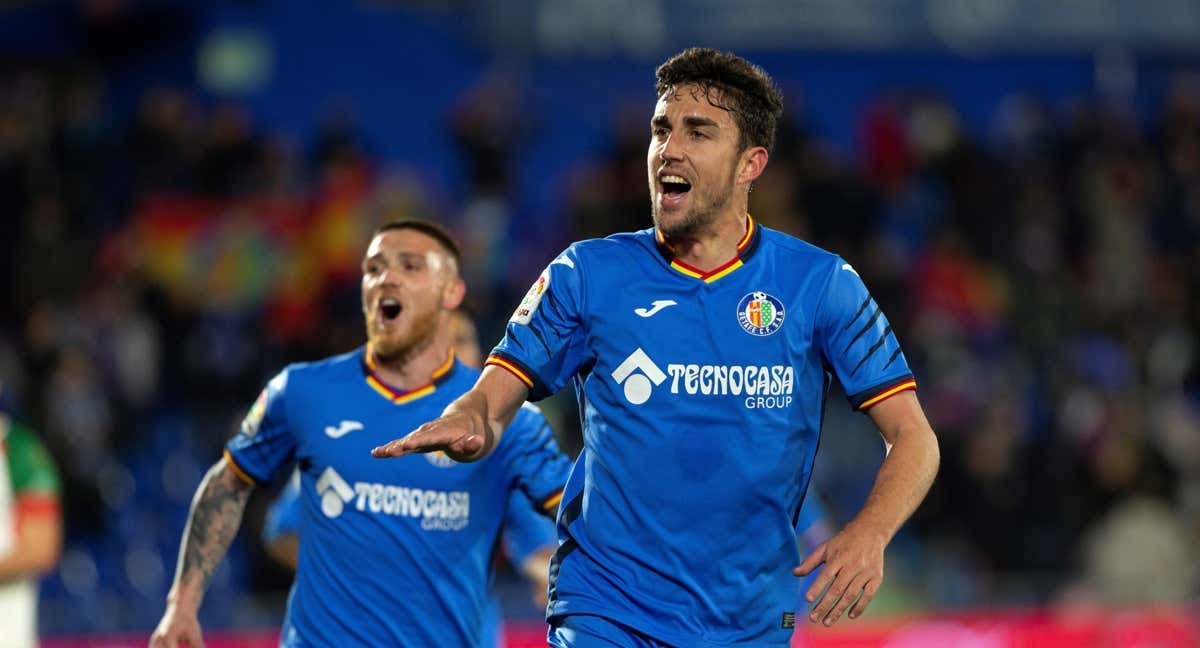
(389, 308)
(674, 189)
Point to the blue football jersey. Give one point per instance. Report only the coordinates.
(526, 530)
(394, 552)
(702, 395)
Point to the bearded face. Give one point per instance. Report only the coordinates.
(405, 291)
(691, 162)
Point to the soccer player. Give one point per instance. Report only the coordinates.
(528, 536)
(393, 555)
(30, 529)
(701, 350)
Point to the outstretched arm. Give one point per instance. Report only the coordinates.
(853, 558)
(470, 427)
(212, 523)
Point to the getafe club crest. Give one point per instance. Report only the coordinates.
(760, 313)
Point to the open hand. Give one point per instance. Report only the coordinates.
(853, 562)
(452, 434)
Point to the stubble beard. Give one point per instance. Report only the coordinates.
(699, 217)
(398, 347)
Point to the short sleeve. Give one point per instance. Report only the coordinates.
(857, 341)
(535, 464)
(541, 344)
(265, 442)
(526, 530)
(283, 518)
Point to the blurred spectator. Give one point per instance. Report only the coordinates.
(31, 530)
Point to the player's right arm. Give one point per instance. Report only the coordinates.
(264, 443)
(470, 427)
(213, 521)
(540, 352)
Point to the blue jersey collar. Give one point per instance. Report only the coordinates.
(400, 397)
(745, 249)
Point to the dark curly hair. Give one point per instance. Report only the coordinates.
(743, 89)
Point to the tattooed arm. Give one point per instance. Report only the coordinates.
(213, 522)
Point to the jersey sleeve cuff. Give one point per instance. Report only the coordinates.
(238, 470)
(866, 398)
(537, 389)
(32, 504)
(550, 503)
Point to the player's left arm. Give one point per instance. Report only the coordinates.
(853, 558)
(860, 346)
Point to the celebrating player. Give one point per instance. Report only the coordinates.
(392, 555)
(701, 350)
(528, 535)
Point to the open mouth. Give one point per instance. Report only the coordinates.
(390, 308)
(674, 186)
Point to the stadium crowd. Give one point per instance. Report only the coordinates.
(1044, 277)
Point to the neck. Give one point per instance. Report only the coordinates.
(713, 247)
(413, 368)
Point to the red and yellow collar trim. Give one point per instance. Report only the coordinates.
(440, 375)
(745, 249)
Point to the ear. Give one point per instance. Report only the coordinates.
(453, 293)
(753, 162)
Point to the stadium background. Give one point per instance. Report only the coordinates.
(187, 187)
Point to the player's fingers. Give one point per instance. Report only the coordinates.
(163, 639)
(820, 583)
(810, 562)
(832, 595)
(869, 590)
(193, 638)
(389, 449)
(851, 595)
(415, 441)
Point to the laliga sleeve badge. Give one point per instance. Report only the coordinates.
(254, 417)
(760, 314)
(529, 305)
